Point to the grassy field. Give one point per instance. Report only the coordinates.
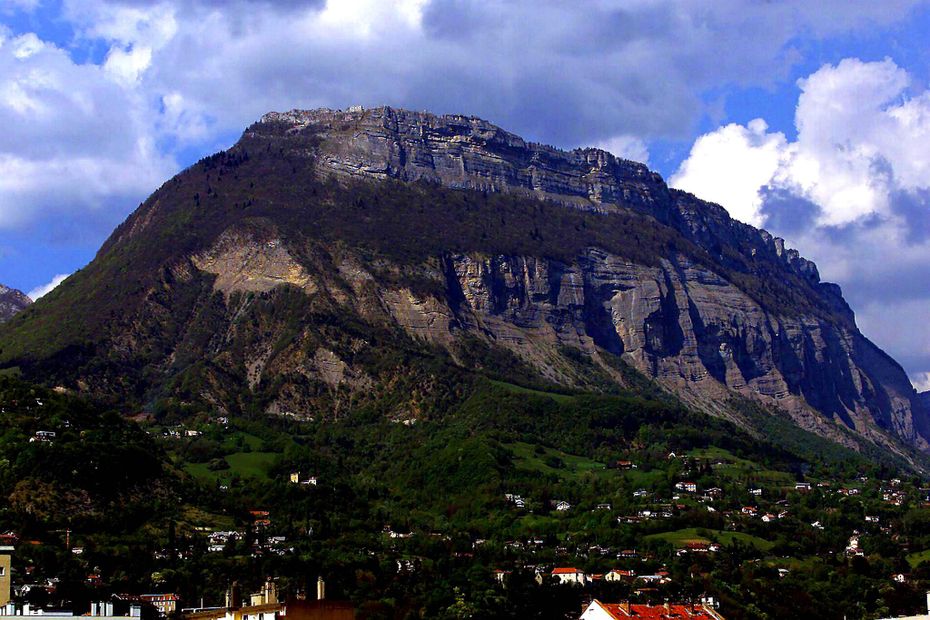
(242, 464)
(561, 398)
(915, 559)
(526, 457)
(642, 479)
(681, 538)
(196, 517)
(736, 468)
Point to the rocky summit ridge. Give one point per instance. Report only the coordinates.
(466, 152)
(11, 302)
(279, 275)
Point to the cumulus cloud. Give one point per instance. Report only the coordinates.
(45, 289)
(9, 6)
(921, 381)
(853, 191)
(627, 147)
(545, 69)
(861, 138)
(73, 140)
(179, 77)
(731, 165)
(94, 123)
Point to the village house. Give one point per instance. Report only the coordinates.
(688, 487)
(569, 575)
(264, 605)
(657, 578)
(299, 478)
(852, 547)
(622, 464)
(803, 487)
(43, 437)
(619, 575)
(618, 611)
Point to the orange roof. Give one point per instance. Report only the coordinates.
(565, 571)
(656, 612)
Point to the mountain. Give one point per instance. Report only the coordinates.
(11, 302)
(321, 261)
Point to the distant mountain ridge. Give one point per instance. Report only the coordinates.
(280, 274)
(12, 301)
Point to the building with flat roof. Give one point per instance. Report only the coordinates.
(6, 580)
(264, 605)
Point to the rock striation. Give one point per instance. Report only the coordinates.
(687, 326)
(467, 152)
(283, 273)
(11, 303)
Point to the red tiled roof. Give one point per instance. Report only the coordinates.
(565, 571)
(656, 612)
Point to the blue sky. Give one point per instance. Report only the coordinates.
(811, 119)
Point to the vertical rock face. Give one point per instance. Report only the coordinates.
(288, 266)
(11, 302)
(682, 323)
(693, 331)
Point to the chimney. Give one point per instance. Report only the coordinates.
(320, 588)
(234, 596)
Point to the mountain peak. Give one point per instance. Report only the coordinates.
(467, 152)
(12, 302)
(404, 228)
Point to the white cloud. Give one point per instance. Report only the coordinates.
(9, 6)
(921, 381)
(74, 140)
(860, 139)
(852, 191)
(731, 165)
(627, 147)
(89, 138)
(45, 289)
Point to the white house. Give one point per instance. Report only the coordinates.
(569, 575)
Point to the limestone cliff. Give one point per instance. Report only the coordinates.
(684, 324)
(306, 268)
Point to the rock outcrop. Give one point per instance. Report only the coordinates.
(287, 273)
(690, 327)
(11, 303)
